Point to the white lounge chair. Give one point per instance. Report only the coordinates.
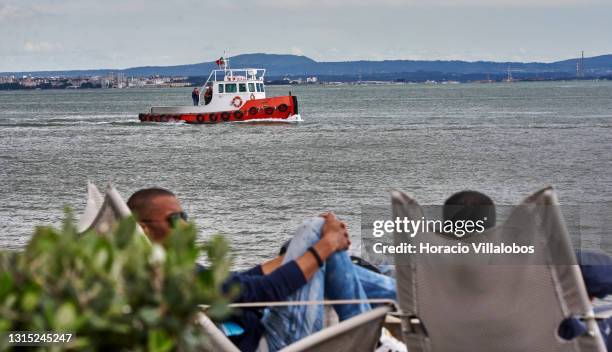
(359, 333)
(491, 307)
(101, 214)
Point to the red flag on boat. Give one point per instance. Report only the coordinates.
(220, 62)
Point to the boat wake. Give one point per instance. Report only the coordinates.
(291, 119)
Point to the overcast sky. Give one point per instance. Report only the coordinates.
(85, 34)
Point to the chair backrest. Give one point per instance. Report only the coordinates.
(216, 341)
(492, 306)
(92, 207)
(359, 333)
(101, 216)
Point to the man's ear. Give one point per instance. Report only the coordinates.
(145, 228)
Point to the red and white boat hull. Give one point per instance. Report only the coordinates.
(275, 109)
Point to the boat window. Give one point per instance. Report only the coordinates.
(251, 87)
(258, 87)
(220, 88)
(230, 88)
(262, 87)
(242, 87)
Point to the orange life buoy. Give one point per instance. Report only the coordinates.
(237, 101)
(238, 114)
(269, 110)
(253, 110)
(282, 107)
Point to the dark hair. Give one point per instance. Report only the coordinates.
(141, 198)
(470, 205)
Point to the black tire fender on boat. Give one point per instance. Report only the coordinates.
(226, 116)
(212, 117)
(164, 118)
(200, 118)
(238, 115)
(141, 117)
(157, 118)
(253, 111)
(269, 110)
(282, 107)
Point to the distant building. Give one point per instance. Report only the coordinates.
(8, 79)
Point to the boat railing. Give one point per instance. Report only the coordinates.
(241, 74)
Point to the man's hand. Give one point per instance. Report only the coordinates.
(335, 232)
(334, 238)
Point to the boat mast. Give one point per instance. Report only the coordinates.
(509, 79)
(226, 67)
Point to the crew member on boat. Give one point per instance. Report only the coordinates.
(208, 94)
(195, 96)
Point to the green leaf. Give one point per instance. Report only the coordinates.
(65, 317)
(29, 300)
(6, 284)
(159, 341)
(150, 316)
(125, 232)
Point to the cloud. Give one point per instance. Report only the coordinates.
(382, 4)
(41, 47)
(10, 13)
(93, 33)
(297, 51)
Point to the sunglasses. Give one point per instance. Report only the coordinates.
(172, 219)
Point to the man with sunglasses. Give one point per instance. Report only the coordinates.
(156, 210)
(315, 266)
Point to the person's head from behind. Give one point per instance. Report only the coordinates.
(470, 205)
(157, 210)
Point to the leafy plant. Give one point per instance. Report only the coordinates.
(114, 292)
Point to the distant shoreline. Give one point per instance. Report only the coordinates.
(197, 82)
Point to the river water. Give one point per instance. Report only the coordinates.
(255, 183)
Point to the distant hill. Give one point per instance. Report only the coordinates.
(294, 65)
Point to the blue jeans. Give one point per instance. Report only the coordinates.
(337, 279)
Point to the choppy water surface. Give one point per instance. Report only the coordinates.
(257, 182)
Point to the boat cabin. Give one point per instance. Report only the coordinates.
(229, 89)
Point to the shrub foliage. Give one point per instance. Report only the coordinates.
(115, 291)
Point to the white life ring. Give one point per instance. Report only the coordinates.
(237, 101)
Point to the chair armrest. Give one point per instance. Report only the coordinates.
(311, 303)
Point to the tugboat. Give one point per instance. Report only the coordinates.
(230, 95)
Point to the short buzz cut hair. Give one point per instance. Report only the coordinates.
(139, 201)
(470, 205)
